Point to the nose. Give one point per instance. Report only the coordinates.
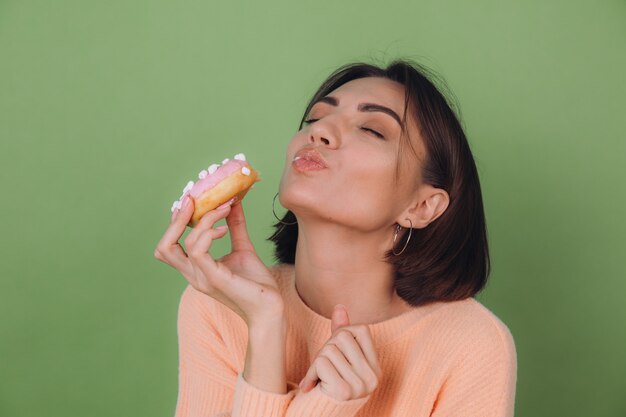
(324, 132)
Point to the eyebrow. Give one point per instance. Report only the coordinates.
(370, 107)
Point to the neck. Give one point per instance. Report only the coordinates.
(339, 266)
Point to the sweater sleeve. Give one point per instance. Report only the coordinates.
(253, 402)
(483, 383)
(210, 385)
(316, 403)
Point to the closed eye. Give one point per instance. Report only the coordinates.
(374, 132)
(377, 134)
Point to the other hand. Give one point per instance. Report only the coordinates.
(347, 365)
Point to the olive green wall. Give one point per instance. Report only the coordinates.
(108, 108)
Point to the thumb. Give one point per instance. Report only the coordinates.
(240, 240)
(339, 318)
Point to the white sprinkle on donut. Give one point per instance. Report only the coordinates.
(188, 187)
(203, 174)
(225, 160)
(240, 157)
(245, 171)
(213, 168)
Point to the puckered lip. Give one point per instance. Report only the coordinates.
(311, 154)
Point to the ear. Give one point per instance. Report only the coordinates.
(429, 203)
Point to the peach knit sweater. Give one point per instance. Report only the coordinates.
(439, 360)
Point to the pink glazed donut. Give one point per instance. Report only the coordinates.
(218, 184)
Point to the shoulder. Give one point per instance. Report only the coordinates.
(202, 317)
(477, 361)
(195, 305)
(477, 328)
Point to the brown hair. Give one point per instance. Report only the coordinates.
(447, 260)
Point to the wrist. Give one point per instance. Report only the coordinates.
(268, 329)
(265, 357)
(274, 320)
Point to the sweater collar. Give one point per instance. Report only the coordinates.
(317, 327)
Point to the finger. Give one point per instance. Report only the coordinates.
(354, 354)
(179, 224)
(174, 256)
(168, 248)
(206, 222)
(339, 318)
(238, 230)
(330, 377)
(350, 371)
(205, 240)
(363, 337)
(204, 285)
(310, 378)
(348, 345)
(199, 240)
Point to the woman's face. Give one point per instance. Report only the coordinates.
(357, 188)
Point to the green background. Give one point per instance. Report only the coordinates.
(108, 108)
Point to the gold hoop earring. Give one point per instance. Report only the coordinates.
(398, 227)
(273, 202)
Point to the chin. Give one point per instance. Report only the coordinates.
(300, 199)
(318, 210)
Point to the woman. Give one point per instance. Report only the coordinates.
(370, 305)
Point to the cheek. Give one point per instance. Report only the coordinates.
(371, 180)
(297, 142)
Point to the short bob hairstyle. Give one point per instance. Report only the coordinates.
(447, 260)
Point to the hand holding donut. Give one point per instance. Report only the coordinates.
(239, 280)
(347, 365)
